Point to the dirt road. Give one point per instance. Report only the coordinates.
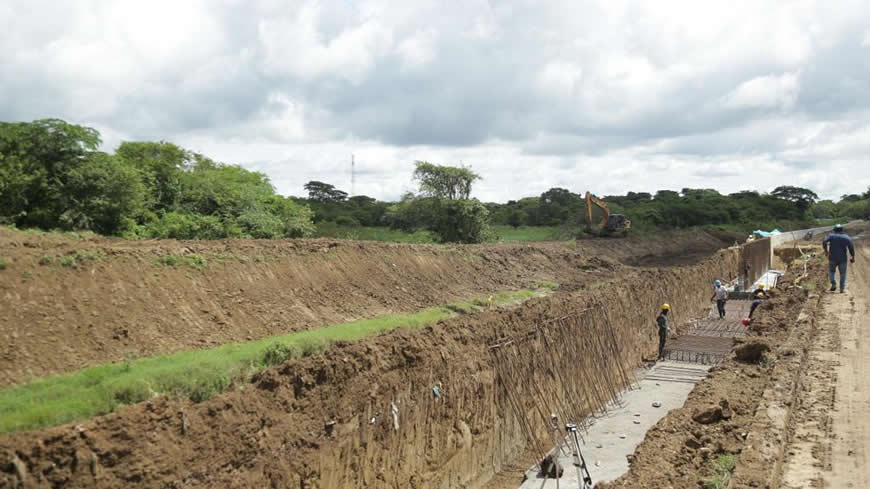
(830, 446)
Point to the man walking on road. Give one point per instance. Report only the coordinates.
(662, 323)
(721, 295)
(836, 245)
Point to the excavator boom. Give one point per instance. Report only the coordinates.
(610, 223)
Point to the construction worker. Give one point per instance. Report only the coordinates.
(721, 296)
(758, 290)
(836, 245)
(662, 323)
(758, 298)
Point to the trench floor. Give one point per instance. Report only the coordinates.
(612, 435)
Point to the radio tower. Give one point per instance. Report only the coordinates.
(352, 176)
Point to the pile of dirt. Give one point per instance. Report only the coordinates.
(679, 451)
(71, 303)
(421, 409)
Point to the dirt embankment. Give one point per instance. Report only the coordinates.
(363, 415)
(68, 303)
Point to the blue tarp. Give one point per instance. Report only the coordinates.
(766, 234)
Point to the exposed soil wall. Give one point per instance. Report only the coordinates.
(328, 421)
(66, 304)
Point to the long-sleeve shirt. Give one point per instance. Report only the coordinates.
(721, 294)
(837, 244)
(662, 322)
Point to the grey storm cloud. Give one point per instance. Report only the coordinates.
(531, 94)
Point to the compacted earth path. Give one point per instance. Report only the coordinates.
(830, 445)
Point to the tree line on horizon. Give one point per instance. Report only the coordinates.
(54, 177)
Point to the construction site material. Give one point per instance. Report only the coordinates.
(683, 453)
(613, 434)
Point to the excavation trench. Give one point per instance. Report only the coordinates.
(607, 439)
(432, 408)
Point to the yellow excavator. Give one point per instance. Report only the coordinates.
(610, 224)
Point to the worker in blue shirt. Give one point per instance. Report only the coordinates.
(836, 246)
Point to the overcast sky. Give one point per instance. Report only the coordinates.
(605, 96)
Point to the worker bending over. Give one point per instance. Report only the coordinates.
(662, 323)
(757, 299)
(836, 245)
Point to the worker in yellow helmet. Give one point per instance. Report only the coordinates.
(756, 301)
(662, 323)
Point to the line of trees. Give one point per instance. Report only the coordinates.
(53, 176)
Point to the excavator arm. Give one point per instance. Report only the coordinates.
(592, 200)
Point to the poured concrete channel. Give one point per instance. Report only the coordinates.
(615, 434)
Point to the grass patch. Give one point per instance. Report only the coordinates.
(196, 374)
(528, 233)
(810, 286)
(723, 466)
(4, 263)
(193, 261)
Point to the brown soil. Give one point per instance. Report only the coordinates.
(118, 300)
(327, 421)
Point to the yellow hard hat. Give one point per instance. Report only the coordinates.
(760, 286)
(666, 307)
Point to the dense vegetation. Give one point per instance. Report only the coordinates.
(53, 176)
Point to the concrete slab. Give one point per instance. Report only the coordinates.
(616, 434)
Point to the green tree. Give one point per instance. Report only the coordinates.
(102, 194)
(324, 192)
(163, 166)
(462, 221)
(824, 209)
(803, 198)
(36, 159)
(444, 182)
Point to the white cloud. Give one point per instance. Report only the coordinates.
(765, 92)
(606, 94)
(295, 46)
(418, 50)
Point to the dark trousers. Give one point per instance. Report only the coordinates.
(720, 304)
(755, 304)
(833, 268)
(663, 337)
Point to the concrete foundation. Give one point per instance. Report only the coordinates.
(614, 434)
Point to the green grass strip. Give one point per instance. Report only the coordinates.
(198, 374)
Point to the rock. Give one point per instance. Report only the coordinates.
(751, 352)
(656, 404)
(693, 443)
(726, 409)
(20, 470)
(636, 422)
(708, 415)
(622, 437)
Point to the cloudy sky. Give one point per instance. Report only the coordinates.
(607, 96)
